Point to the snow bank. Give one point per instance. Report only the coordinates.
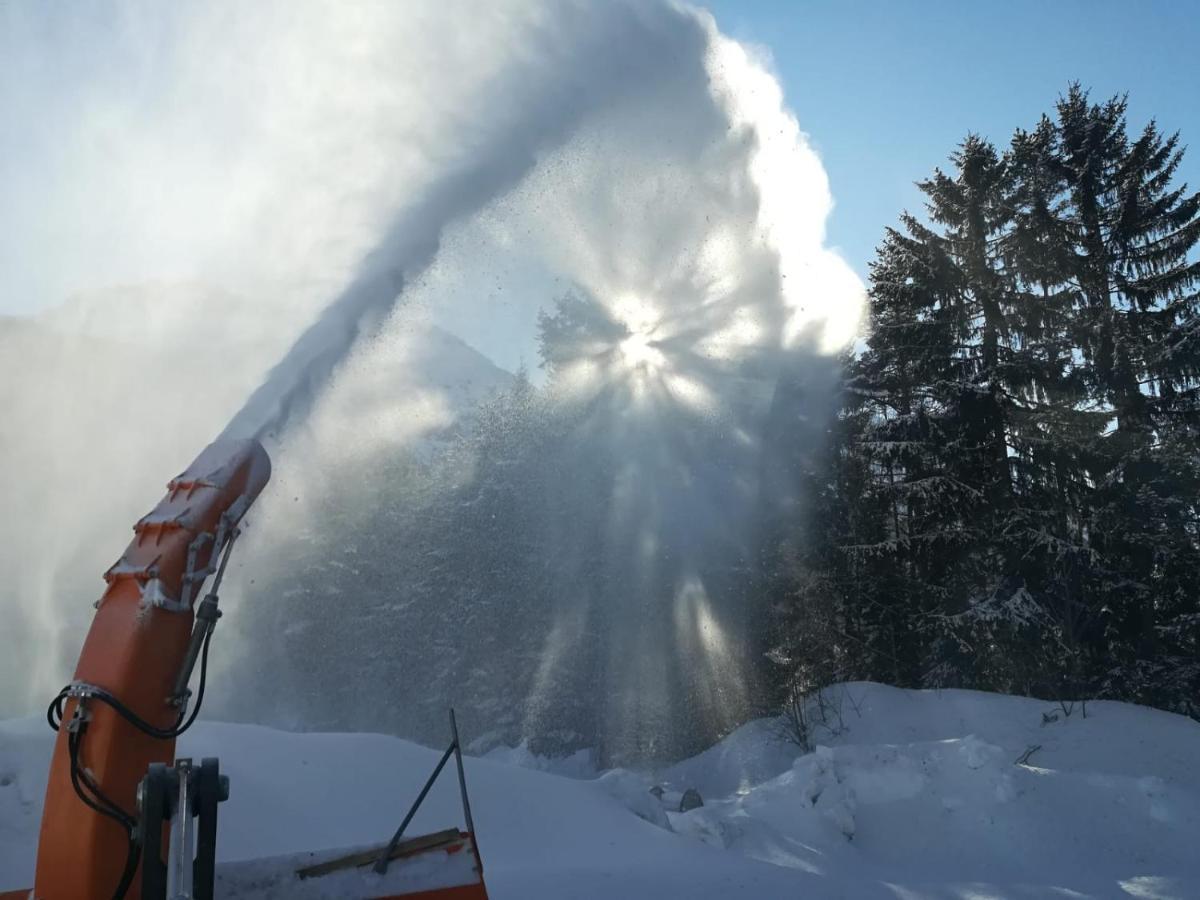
(578, 765)
(918, 796)
(540, 835)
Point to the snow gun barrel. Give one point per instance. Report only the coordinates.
(129, 700)
(114, 802)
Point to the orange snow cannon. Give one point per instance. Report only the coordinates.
(123, 818)
(129, 698)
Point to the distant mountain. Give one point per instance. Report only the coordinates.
(188, 354)
(107, 397)
(415, 381)
(164, 311)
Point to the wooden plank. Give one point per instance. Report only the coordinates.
(367, 857)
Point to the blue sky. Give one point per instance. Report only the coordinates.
(886, 89)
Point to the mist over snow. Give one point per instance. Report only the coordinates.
(512, 291)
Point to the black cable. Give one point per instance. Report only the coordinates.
(100, 803)
(84, 784)
(91, 692)
(54, 712)
(199, 687)
(132, 857)
(82, 781)
(76, 779)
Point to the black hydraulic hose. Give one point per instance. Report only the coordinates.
(132, 857)
(199, 688)
(101, 804)
(98, 801)
(54, 712)
(84, 785)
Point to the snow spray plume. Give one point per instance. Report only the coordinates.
(191, 156)
(443, 172)
(575, 563)
(573, 72)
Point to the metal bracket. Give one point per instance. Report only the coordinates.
(455, 749)
(81, 716)
(207, 614)
(82, 691)
(193, 577)
(177, 795)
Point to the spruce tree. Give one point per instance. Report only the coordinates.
(1135, 270)
(1025, 422)
(945, 374)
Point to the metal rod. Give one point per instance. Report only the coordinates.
(381, 864)
(206, 620)
(228, 551)
(462, 778)
(179, 867)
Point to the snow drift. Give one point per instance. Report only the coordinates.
(919, 797)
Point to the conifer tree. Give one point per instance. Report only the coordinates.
(1136, 273)
(945, 365)
(1016, 491)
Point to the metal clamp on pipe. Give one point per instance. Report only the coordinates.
(175, 796)
(207, 614)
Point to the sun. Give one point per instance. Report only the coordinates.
(638, 352)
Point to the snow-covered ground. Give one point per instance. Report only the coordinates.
(919, 796)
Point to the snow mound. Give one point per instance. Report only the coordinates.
(748, 756)
(965, 794)
(913, 795)
(578, 765)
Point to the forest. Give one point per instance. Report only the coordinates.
(996, 488)
(1007, 498)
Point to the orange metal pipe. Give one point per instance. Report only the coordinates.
(134, 650)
